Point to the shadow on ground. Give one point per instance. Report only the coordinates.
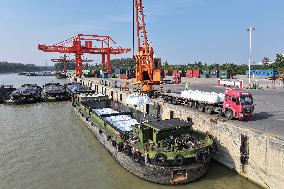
(261, 116)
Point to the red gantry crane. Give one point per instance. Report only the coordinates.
(147, 68)
(64, 60)
(83, 44)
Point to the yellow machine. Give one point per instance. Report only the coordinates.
(148, 69)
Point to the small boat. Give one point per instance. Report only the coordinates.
(5, 92)
(22, 73)
(61, 75)
(54, 92)
(74, 88)
(27, 93)
(31, 74)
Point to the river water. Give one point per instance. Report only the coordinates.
(45, 145)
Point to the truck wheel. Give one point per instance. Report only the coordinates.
(221, 113)
(229, 114)
(208, 109)
(201, 107)
(174, 101)
(195, 105)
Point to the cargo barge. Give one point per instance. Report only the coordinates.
(166, 152)
(54, 92)
(75, 88)
(61, 75)
(27, 93)
(5, 92)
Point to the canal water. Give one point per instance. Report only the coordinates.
(45, 145)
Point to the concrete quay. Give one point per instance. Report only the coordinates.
(256, 155)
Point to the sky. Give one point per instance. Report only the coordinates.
(182, 31)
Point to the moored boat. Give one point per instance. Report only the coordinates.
(27, 93)
(54, 92)
(75, 88)
(166, 152)
(5, 92)
(61, 75)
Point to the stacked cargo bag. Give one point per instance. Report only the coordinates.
(117, 73)
(94, 72)
(101, 74)
(189, 73)
(232, 73)
(123, 74)
(214, 73)
(128, 74)
(132, 74)
(204, 74)
(175, 72)
(224, 74)
(196, 73)
(262, 73)
(98, 75)
(105, 75)
(123, 71)
(166, 72)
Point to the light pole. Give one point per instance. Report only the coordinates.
(250, 44)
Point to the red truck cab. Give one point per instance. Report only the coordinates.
(238, 104)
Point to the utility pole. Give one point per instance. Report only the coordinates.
(250, 46)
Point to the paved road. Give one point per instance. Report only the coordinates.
(269, 108)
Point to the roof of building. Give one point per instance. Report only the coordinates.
(168, 124)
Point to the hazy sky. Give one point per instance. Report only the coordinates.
(182, 31)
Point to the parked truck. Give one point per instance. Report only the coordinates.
(234, 104)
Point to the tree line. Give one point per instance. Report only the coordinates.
(277, 65)
(129, 63)
(6, 67)
(124, 63)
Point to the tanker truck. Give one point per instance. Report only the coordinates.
(234, 104)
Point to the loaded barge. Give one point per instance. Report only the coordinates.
(54, 92)
(75, 88)
(5, 92)
(27, 93)
(166, 152)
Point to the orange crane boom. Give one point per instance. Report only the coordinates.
(82, 44)
(147, 69)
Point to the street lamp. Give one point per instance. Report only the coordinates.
(250, 41)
